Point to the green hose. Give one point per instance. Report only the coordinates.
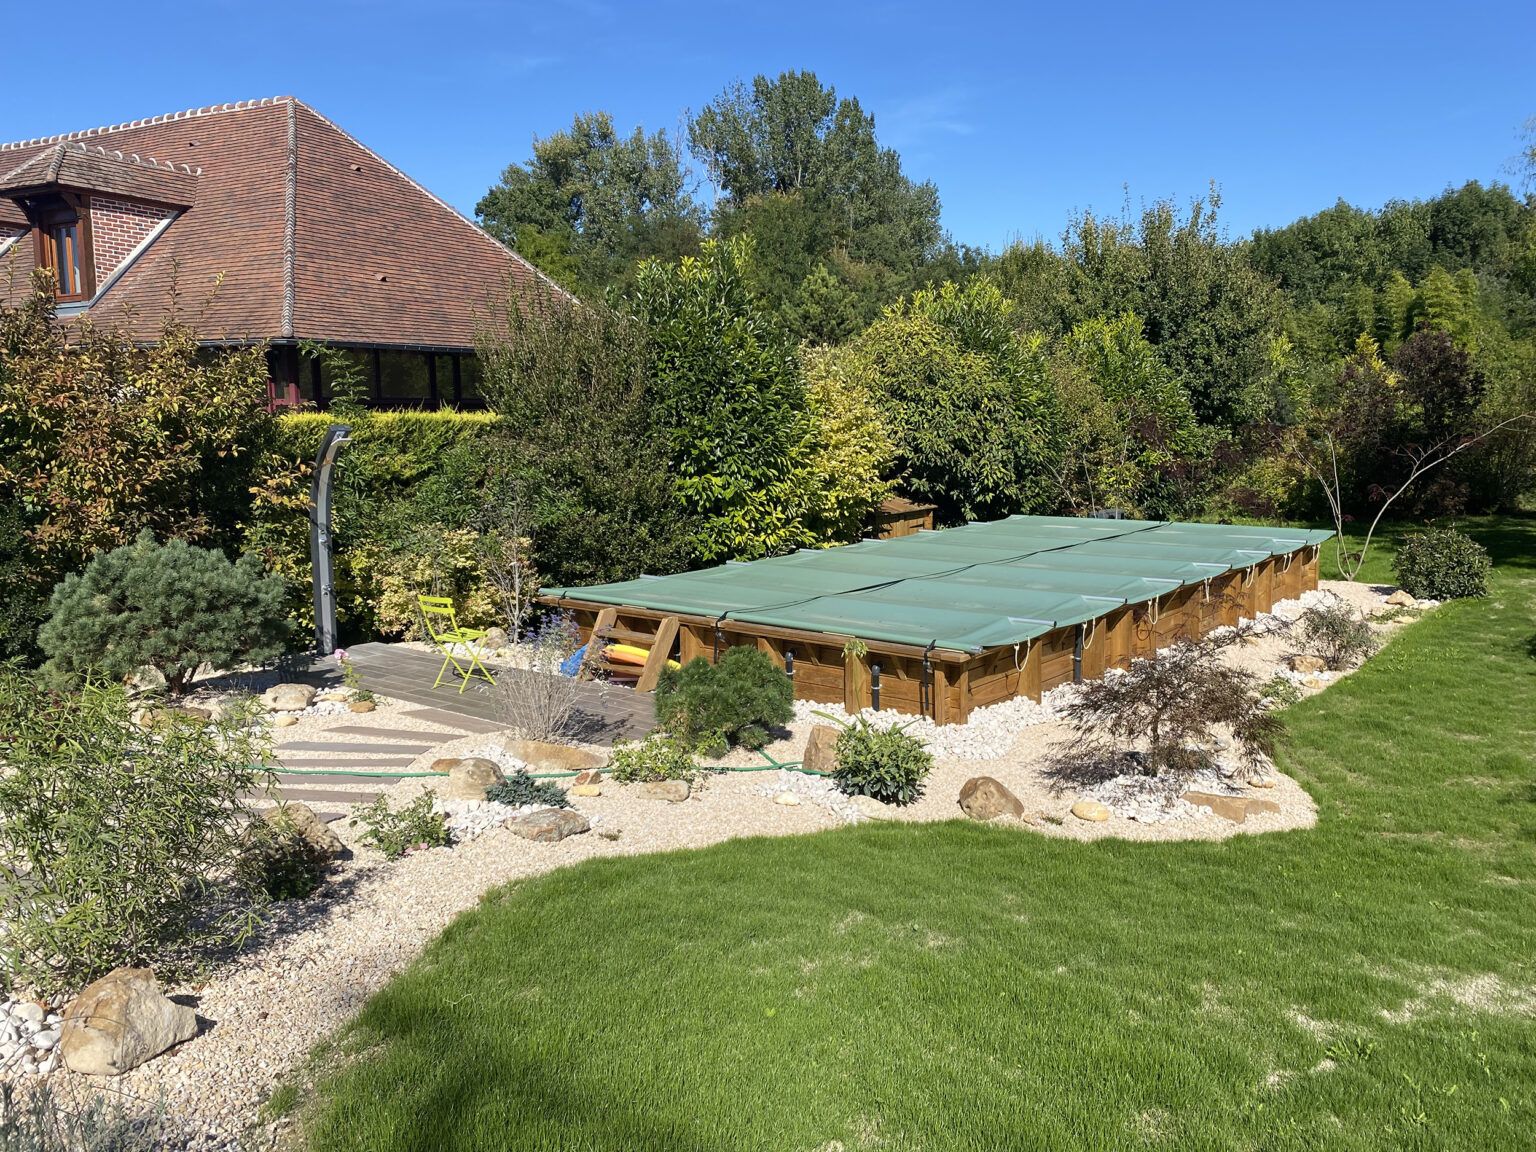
(781, 765)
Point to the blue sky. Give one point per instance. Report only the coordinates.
(1020, 114)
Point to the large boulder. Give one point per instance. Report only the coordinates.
(121, 1021)
(471, 777)
(542, 756)
(495, 639)
(821, 750)
(983, 798)
(302, 819)
(548, 825)
(288, 697)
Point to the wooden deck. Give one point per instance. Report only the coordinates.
(605, 712)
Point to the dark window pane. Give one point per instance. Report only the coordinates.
(469, 376)
(404, 377)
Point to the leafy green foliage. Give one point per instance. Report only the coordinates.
(1336, 633)
(279, 861)
(172, 606)
(657, 758)
(520, 788)
(395, 832)
(113, 838)
(1442, 564)
(887, 764)
(852, 454)
(967, 402)
(579, 443)
(1279, 692)
(734, 701)
(588, 204)
(728, 394)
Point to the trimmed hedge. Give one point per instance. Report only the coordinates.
(408, 491)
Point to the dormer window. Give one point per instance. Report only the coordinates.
(62, 240)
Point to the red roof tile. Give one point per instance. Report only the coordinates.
(293, 230)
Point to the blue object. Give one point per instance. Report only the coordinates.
(571, 665)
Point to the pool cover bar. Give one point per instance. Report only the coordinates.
(938, 623)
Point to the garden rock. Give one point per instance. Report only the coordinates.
(548, 825)
(495, 639)
(315, 831)
(1401, 599)
(288, 697)
(1307, 664)
(445, 764)
(821, 750)
(542, 756)
(1260, 781)
(590, 776)
(121, 1021)
(983, 798)
(284, 721)
(672, 791)
(1233, 808)
(585, 790)
(470, 778)
(361, 706)
(787, 799)
(1090, 810)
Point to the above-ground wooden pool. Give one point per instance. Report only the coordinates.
(938, 623)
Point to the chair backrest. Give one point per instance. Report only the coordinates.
(440, 610)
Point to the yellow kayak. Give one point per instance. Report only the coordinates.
(631, 654)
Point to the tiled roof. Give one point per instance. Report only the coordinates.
(293, 230)
(78, 165)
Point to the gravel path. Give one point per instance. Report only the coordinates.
(325, 956)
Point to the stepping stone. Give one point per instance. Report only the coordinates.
(409, 734)
(313, 796)
(353, 748)
(464, 723)
(383, 763)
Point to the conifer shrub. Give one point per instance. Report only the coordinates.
(1442, 564)
(733, 702)
(171, 606)
(520, 789)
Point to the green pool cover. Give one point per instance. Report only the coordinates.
(964, 589)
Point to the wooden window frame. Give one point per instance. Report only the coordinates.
(46, 253)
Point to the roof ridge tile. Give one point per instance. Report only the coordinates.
(86, 133)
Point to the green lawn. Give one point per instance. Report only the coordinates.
(958, 987)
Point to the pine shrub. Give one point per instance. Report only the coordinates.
(1442, 564)
(172, 607)
(730, 703)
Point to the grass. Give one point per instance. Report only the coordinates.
(1367, 984)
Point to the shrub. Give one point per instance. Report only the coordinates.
(733, 702)
(1442, 564)
(112, 837)
(657, 758)
(1336, 633)
(539, 703)
(1173, 703)
(520, 788)
(1279, 692)
(170, 606)
(394, 833)
(37, 1120)
(278, 861)
(888, 764)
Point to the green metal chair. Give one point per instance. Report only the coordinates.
(444, 630)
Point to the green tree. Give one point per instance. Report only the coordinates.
(966, 399)
(589, 203)
(727, 395)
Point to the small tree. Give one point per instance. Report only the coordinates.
(1173, 704)
(172, 607)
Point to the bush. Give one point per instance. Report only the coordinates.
(656, 758)
(278, 861)
(887, 764)
(1442, 564)
(112, 837)
(39, 1121)
(394, 833)
(540, 703)
(1279, 692)
(733, 702)
(520, 788)
(1336, 633)
(170, 606)
(1174, 704)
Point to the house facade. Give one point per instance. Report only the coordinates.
(261, 222)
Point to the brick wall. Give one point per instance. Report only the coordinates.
(117, 228)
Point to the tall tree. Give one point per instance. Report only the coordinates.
(588, 204)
